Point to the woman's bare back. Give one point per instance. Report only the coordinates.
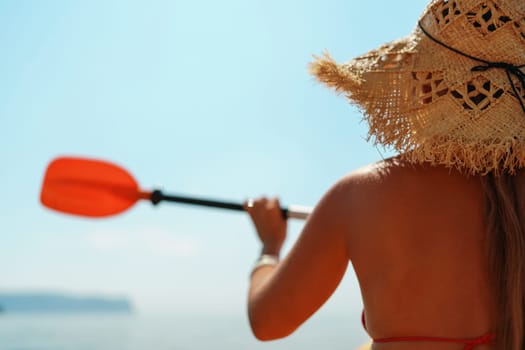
(417, 245)
(416, 238)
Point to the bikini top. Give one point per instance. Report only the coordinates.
(469, 343)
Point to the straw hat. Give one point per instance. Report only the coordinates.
(452, 93)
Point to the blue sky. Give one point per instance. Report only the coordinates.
(208, 98)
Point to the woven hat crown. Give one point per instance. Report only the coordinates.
(452, 93)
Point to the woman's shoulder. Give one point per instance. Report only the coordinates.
(386, 199)
(400, 175)
(394, 184)
(363, 190)
(382, 175)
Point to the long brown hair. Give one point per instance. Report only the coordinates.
(505, 196)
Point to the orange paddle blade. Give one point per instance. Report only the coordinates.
(88, 187)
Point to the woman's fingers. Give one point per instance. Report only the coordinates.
(272, 203)
(256, 204)
(268, 220)
(262, 206)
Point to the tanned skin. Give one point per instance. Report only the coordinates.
(415, 236)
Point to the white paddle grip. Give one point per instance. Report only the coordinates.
(299, 212)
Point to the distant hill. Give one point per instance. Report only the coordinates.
(48, 302)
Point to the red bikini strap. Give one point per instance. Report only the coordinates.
(470, 343)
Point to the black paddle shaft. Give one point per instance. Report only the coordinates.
(157, 196)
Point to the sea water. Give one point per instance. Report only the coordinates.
(162, 332)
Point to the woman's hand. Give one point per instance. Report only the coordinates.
(269, 222)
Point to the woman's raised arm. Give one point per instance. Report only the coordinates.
(283, 296)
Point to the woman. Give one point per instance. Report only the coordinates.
(435, 235)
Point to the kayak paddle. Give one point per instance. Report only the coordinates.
(96, 188)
